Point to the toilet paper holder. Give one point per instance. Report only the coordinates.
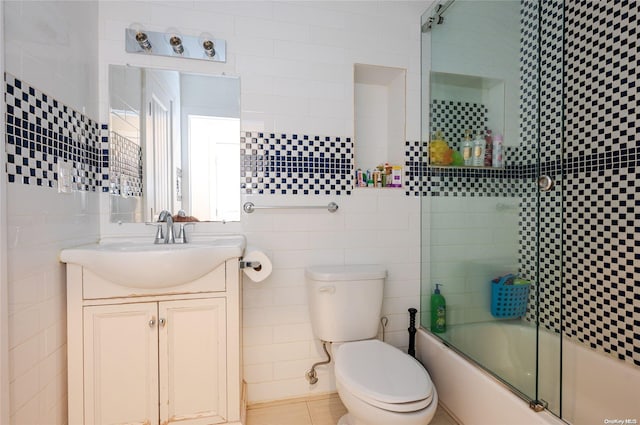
(255, 265)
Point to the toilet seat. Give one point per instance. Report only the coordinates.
(383, 376)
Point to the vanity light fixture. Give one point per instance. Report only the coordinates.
(174, 44)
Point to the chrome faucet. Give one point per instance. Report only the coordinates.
(166, 217)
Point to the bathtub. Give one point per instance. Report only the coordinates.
(597, 389)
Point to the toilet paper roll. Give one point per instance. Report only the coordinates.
(263, 271)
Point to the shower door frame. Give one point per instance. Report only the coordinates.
(531, 173)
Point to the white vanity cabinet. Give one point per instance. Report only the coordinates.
(154, 356)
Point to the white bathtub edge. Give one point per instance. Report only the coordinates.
(472, 395)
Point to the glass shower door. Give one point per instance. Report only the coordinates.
(482, 70)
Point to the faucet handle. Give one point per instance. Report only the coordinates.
(182, 234)
(159, 238)
(164, 214)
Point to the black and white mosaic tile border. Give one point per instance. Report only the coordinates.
(125, 166)
(424, 180)
(42, 132)
(104, 150)
(295, 164)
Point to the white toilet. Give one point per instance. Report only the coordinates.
(377, 383)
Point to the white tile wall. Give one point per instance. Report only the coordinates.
(40, 222)
(473, 240)
(51, 46)
(295, 61)
(371, 226)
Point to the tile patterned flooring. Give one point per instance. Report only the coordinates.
(322, 410)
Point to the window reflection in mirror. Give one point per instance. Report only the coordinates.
(174, 144)
(212, 142)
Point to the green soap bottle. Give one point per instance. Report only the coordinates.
(438, 311)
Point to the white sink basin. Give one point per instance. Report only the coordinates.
(138, 264)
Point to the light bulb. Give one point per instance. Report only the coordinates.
(141, 36)
(176, 44)
(173, 37)
(206, 41)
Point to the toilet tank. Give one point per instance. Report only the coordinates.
(345, 302)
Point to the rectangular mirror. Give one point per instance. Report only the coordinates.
(174, 144)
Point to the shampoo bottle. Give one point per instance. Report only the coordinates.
(488, 152)
(438, 311)
(498, 151)
(467, 149)
(479, 145)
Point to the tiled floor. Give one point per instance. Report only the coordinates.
(319, 411)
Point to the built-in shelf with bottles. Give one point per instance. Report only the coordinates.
(469, 102)
(379, 116)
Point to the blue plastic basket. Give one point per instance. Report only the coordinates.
(509, 301)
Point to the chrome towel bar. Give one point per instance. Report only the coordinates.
(249, 207)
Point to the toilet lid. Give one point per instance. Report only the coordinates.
(383, 375)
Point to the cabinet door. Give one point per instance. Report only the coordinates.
(121, 364)
(192, 343)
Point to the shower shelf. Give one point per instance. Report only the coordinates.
(464, 167)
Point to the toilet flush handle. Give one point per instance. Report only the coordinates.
(331, 289)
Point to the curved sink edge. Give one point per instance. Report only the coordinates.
(85, 256)
(163, 285)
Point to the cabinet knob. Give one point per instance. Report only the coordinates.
(162, 322)
(152, 322)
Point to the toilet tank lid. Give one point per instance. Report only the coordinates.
(346, 272)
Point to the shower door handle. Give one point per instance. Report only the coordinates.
(545, 183)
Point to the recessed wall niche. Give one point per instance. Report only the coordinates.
(466, 102)
(379, 115)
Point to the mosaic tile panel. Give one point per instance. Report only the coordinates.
(601, 261)
(125, 166)
(601, 272)
(601, 67)
(41, 132)
(415, 168)
(542, 232)
(454, 118)
(295, 164)
(527, 152)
